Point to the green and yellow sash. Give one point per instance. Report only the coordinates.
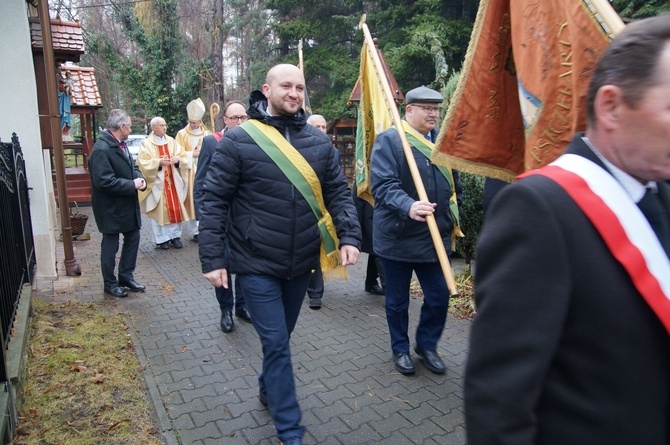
(425, 147)
(304, 178)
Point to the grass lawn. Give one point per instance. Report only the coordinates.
(84, 384)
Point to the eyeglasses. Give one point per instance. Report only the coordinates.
(237, 118)
(427, 109)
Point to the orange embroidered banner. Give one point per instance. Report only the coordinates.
(522, 90)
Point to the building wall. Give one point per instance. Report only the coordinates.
(19, 114)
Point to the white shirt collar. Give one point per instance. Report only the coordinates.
(633, 187)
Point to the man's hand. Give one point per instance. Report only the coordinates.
(140, 183)
(421, 209)
(349, 255)
(218, 277)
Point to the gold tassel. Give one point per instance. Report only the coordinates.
(331, 267)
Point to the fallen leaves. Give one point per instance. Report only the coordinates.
(116, 424)
(78, 366)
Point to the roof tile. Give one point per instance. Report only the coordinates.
(85, 91)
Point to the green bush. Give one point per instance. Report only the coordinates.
(471, 213)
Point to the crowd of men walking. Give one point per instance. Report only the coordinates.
(574, 350)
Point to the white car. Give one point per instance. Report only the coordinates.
(133, 142)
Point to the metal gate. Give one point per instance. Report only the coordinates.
(17, 250)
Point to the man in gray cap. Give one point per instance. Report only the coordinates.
(400, 234)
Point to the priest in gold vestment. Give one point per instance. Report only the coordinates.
(190, 138)
(163, 163)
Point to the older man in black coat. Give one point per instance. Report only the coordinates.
(570, 344)
(115, 180)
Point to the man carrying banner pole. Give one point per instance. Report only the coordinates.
(373, 79)
(400, 237)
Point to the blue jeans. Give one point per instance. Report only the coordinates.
(225, 296)
(274, 305)
(433, 310)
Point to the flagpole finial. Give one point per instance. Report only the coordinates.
(362, 22)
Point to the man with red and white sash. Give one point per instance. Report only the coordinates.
(163, 163)
(571, 340)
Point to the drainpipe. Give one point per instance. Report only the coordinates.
(72, 267)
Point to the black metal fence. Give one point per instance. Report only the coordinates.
(17, 250)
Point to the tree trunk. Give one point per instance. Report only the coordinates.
(219, 35)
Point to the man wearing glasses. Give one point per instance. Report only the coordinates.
(234, 114)
(401, 237)
(115, 180)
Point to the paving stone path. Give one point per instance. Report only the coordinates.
(204, 382)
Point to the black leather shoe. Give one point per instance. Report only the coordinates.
(227, 323)
(132, 285)
(176, 242)
(243, 314)
(116, 291)
(403, 363)
(315, 303)
(431, 361)
(163, 246)
(262, 399)
(376, 289)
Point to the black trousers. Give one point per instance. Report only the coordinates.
(108, 249)
(315, 287)
(227, 299)
(374, 270)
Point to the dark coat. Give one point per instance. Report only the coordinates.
(249, 204)
(395, 235)
(564, 349)
(365, 212)
(114, 198)
(207, 149)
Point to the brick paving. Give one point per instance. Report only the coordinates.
(204, 383)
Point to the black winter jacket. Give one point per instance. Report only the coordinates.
(114, 198)
(252, 218)
(395, 235)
